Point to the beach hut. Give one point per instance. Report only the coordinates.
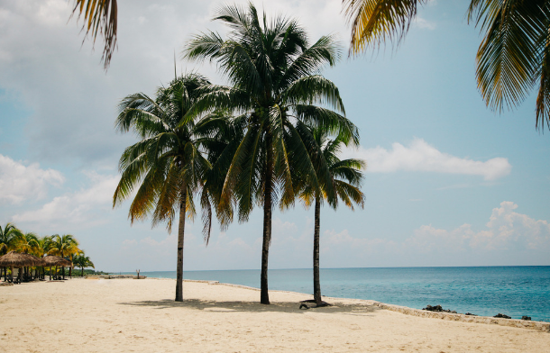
(51, 261)
(16, 260)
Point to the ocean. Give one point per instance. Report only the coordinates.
(486, 291)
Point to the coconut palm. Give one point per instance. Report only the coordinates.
(167, 166)
(83, 261)
(63, 246)
(26, 243)
(345, 178)
(8, 235)
(512, 59)
(42, 249)
(272, 70)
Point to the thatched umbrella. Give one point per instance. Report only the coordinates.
(51, 260)
(18, 260)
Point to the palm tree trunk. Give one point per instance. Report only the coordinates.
(266, 241)
(316, 278)
(181, 228)
(82, 271)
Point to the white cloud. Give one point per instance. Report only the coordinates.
(420, 156)
(508, 235)
(19, 183)
(84, 207)
(423, 23)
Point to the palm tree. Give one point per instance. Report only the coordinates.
(345, 178)
(512, 59)
(26, 243)
(63, 246)
(82, 261)
(167, 165)
(271, 68)
(42, 249)
(99, 17)
(8, 235)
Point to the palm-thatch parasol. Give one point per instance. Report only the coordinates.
(15, 259)
(52, 260)
(18, 260)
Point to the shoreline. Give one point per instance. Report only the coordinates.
(542, 326)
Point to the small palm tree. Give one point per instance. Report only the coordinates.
(8, 236)
(512, 59)
(345, 179)
(273, 72)
(63, 246)
(167, 166)
(83, 261)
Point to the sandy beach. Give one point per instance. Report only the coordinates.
(125, 315)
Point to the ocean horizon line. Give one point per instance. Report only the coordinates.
(338, 268)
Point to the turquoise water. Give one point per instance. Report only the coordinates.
(486, 291)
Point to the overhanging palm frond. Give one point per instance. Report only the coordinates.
(511, 58)
(376, 21)
(99, 17)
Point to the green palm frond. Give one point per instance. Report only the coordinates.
(100, 18)
(511, 57)
(376, 21)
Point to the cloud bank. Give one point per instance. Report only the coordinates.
(20, 183)
(420, 156)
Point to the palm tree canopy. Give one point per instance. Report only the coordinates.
(514, 55)
(345, 176)
(8, 236)
(63, 245)
(99, 17)
(168, 159)
(81, 260)
(273, 71)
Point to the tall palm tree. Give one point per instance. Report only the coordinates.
(271, 68)
(512, 59)
(83, 261)
(345, 178)
(63, 245)
(167, 166)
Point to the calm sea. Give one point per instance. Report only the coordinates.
(486, 291)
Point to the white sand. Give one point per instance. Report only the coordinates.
(125, 315)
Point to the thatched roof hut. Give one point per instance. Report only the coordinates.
(15, 259)
(51, 260)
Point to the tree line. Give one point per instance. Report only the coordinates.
(269, 138)
(65, 246)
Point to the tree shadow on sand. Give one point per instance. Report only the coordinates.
(240, 306)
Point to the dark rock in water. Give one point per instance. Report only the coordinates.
(470, 314)
(528, 318)
(502, 316)
(438, 309)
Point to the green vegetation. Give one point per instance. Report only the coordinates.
(167, 164)
(344, 180)
(13, 239)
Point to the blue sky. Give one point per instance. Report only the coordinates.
(449, 182)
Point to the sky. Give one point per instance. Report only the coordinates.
(448, 181)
